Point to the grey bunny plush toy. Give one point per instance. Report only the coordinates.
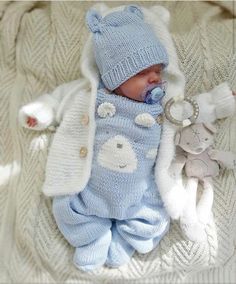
(200, 162)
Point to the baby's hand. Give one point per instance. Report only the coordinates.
(36, 116)
(31, 121)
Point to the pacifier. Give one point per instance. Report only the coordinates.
(154, 93)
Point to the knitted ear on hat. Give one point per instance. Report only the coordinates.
(134, 9)
(93, 19)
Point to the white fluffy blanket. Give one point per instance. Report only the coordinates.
(40, 48)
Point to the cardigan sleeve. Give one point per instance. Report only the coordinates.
(215, 104)
(45, 108)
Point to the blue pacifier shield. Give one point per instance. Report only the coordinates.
(154, 96)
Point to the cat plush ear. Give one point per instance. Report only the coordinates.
(210, 127)
(135, 9)
(93, 19)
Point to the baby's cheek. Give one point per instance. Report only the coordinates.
(138, 87)
(134, 87)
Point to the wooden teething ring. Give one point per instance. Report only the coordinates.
(186, 121)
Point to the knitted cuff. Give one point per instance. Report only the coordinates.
(224, 101)
(43, 109)
(48, 101)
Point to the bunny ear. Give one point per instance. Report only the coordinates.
(134, 9)
(93, 18)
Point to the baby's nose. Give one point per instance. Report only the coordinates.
(154, 78)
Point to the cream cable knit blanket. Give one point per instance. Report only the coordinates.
(40, 48)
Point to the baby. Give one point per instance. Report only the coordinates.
(120, 209)
(108, 206)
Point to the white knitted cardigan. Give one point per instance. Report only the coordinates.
(40, 253)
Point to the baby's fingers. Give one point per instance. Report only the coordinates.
(31, 121)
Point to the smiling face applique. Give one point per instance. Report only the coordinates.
(118, 155)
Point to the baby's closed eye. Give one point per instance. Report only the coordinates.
(144, 72)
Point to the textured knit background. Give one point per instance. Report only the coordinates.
(40, 48)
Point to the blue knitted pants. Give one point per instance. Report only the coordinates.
(103, 240)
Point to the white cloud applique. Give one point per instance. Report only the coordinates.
(118, 155)
(144, 119)
(106, 109)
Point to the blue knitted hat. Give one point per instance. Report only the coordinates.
(124, 45)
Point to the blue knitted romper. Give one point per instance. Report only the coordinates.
(120, 209)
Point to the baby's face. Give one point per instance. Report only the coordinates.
(133, 88)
